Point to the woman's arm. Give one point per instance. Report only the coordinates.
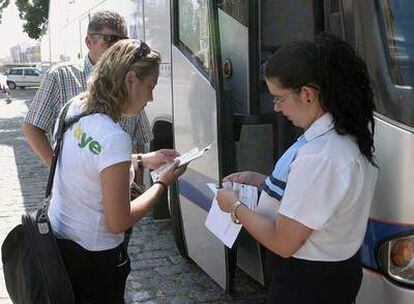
(153, 160)
(120, 214)
(283, 237)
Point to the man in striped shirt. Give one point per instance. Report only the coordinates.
(64, 81)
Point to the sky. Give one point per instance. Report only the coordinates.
(11, 30)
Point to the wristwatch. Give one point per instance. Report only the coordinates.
(233, 215)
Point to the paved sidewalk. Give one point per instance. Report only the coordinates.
(159, 274)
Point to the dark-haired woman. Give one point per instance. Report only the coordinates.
(322, 187)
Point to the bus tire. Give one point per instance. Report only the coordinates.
(176, 219)
(162, 140)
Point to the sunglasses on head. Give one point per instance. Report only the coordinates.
(142, 51)
(109, 38)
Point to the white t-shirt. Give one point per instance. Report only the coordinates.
(76, 211)
(329, 189)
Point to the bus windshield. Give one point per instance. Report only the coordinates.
(398, 21)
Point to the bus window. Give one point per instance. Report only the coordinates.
(157, 34)
(285, 21)
(397, 20)
(193, 30)
(234, 46)
(238, 9)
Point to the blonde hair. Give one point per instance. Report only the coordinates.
(107, 92)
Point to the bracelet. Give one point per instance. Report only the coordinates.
(162, 184)
(140, 162)
(233, 215)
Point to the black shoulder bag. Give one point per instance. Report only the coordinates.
(33, 267)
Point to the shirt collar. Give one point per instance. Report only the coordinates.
(319, 127)
(87, 65)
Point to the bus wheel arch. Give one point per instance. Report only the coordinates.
(163, 139)
(169, 204)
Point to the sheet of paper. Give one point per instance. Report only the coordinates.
(219, 222)
(192, 155)
(184, 159)
(247, 195)
(213, 187)
(221, 225)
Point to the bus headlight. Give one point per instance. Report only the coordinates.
(396, 259)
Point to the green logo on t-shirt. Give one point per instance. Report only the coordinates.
(85, 140)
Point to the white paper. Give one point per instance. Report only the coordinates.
(213, 187)
(247, 195)
(221, 225)
(219, 222)
(184, 159)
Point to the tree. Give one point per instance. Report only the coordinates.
(33, 12)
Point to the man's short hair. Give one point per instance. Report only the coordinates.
(109, 19)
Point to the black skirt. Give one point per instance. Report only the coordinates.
(297, 281)
(97, 277)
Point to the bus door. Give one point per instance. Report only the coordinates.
(219, 96)
(249, 32)
(245, 139)
(195, 125)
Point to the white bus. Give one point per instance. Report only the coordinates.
(211, 89)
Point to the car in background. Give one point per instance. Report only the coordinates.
(23, 77)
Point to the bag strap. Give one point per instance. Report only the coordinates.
(42, 218)
(63, 126)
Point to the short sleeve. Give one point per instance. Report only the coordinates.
(314, 190)
(43, 106)
(114, 149)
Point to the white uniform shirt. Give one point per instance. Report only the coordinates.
(329, 189)
(76, 211)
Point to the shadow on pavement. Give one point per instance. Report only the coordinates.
(32, 173)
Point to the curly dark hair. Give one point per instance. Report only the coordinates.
(332, 66)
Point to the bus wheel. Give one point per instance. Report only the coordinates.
(176, 220)
(160, 208)
(162, 140)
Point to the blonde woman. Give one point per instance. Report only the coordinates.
(91, 208)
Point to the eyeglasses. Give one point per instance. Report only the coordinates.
(109, 38)
(279, 99)
(142, 51)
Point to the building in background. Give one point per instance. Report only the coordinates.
(25, 52)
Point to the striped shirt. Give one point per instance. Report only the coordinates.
(325, 183)
(64, 81)
(275, 184)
